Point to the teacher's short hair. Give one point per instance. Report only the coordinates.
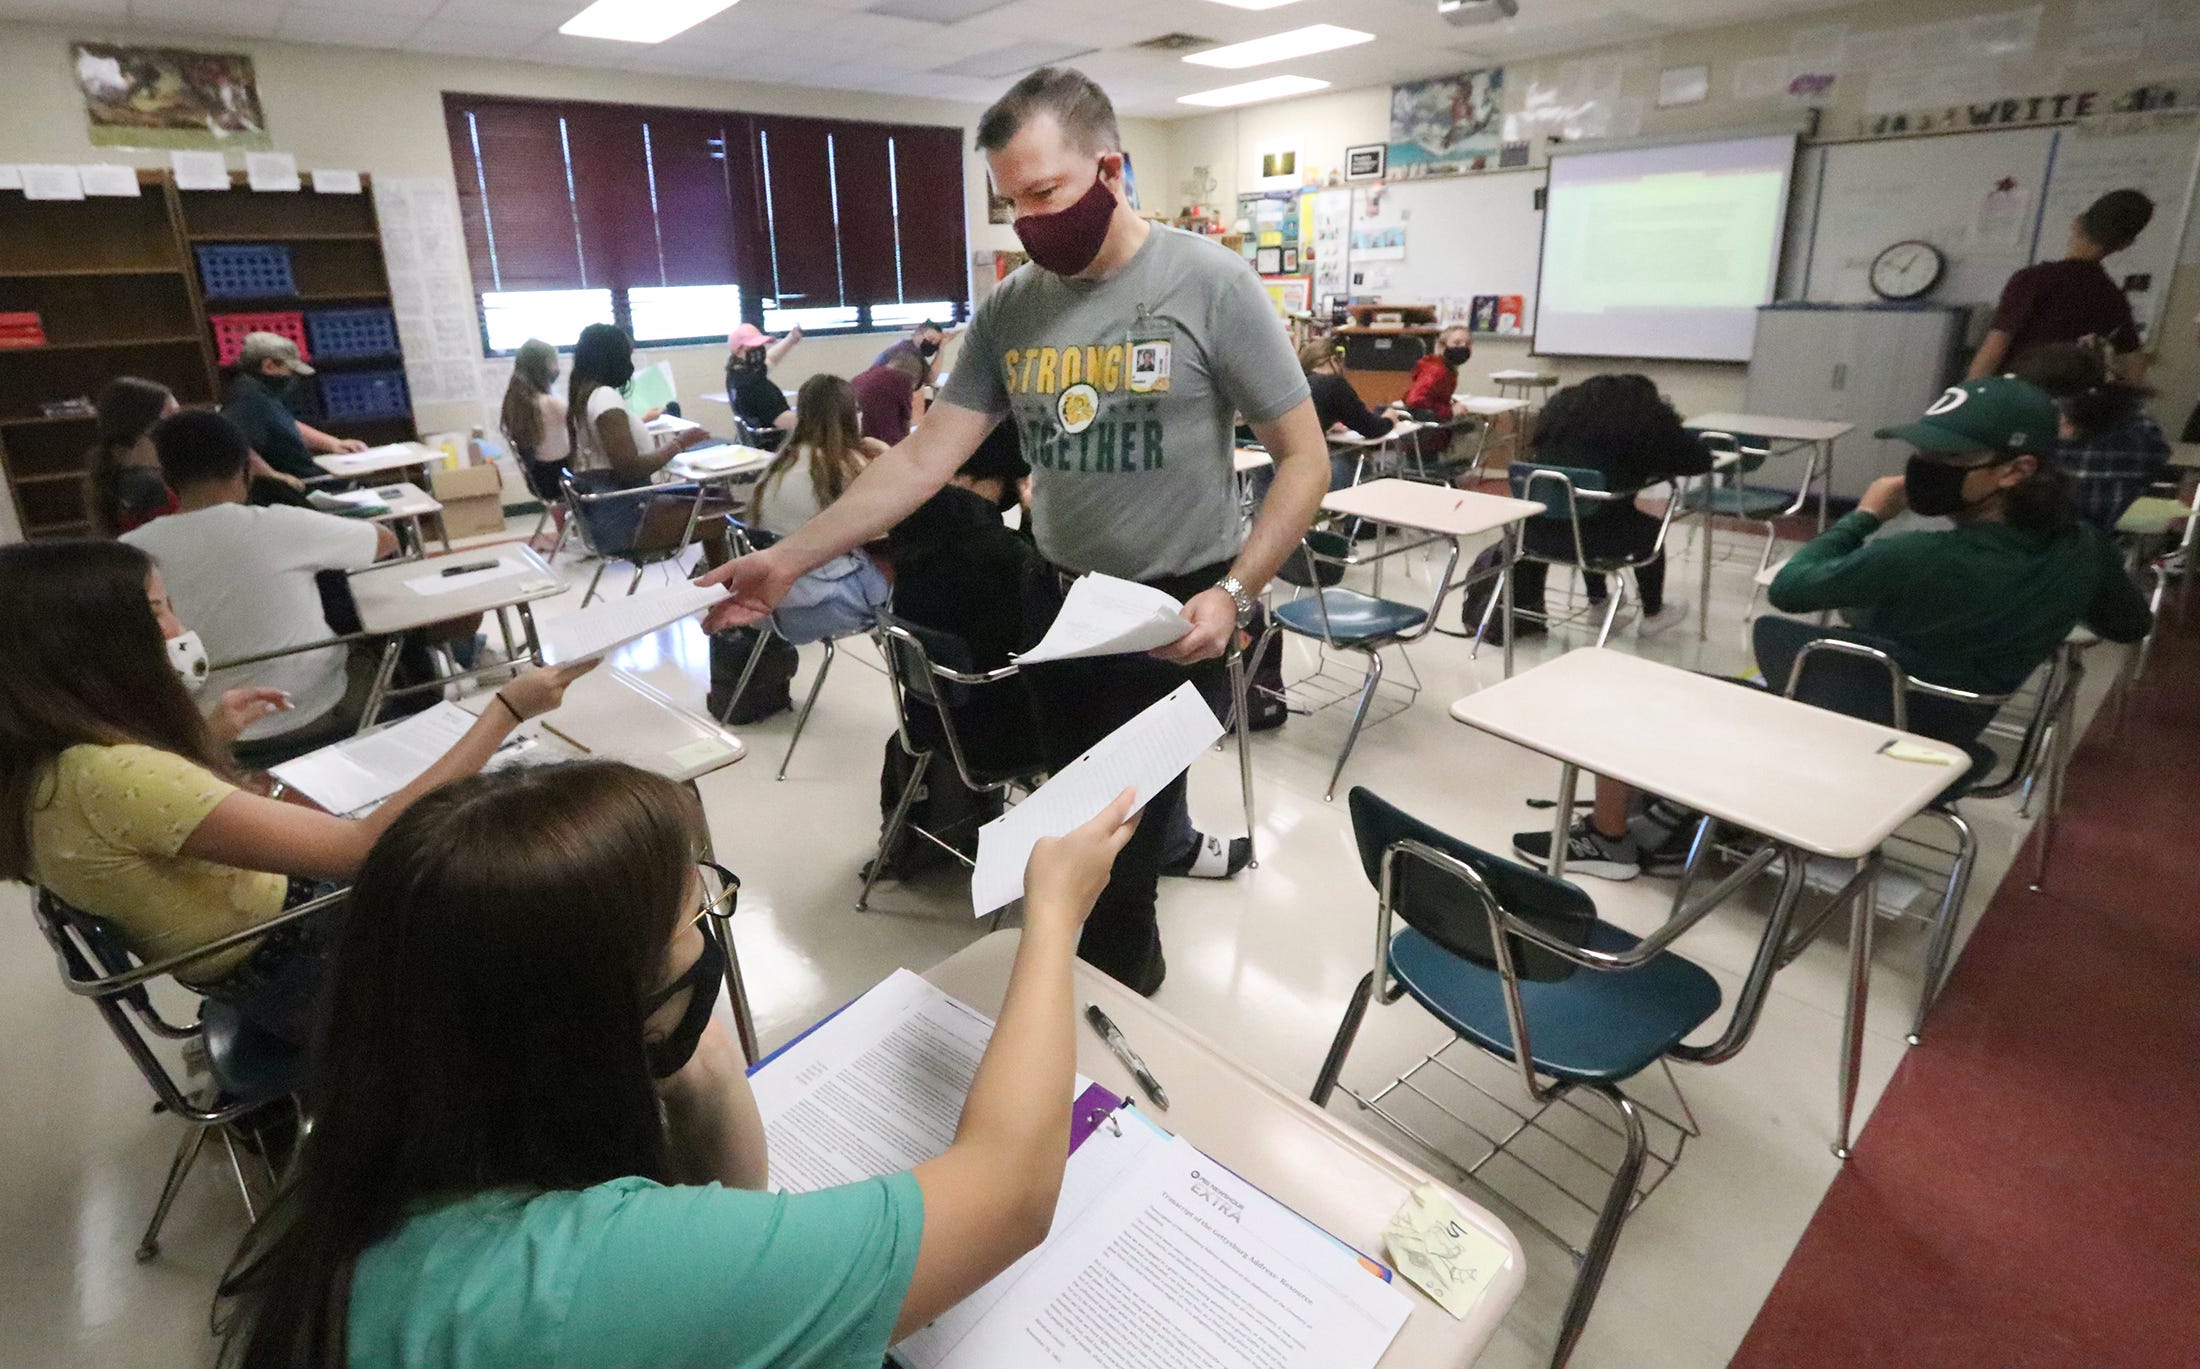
(2115, 220)
(1075, 100)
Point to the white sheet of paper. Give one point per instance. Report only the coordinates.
(336, 182)
(1104, 616)
(1095, 1170)
(109, 179)
(670, 423)
(271, 171)
(1273, 1290)
(11, 176)
(199, 170)
(377, 458)
(435, 582)
(611, 623)
(353, 773)
(1143, 754)
(51, 182)
(718, 459)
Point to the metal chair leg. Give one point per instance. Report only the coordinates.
(1944, 920)
(1616, 595)
(593, 581)
(893, 827)
(809, 701)
(1240, 678)
(1359, 720)
(187, 1154)
(748, 670)
(1355, 1012)
(641, 568)
(1598, 1257)
(2058, 758)
(236, 1171)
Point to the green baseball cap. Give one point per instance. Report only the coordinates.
(1999, 414)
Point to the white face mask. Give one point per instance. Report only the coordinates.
(188, 655)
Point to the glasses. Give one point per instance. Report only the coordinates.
(721, 890)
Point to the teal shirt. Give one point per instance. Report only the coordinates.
(270, 427)
(1980, 606)
(634, 1275)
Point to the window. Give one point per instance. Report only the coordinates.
(510, 317)
(691, 221)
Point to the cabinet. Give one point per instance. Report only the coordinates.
(1870, 365)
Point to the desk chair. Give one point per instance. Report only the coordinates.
(615, 526)
(741, 540)
(1737, 500)
(247, 1068)
(1341, 619)
(1493, 949)
(1572, 495)
(2146, 526)
(935, 684)
(765, 439)
(1865, 677)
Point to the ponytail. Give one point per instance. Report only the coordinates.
(2091, 396)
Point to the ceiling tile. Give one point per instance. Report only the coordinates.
(231, 18)
(64, 9)
(319, 25)
(473, 40)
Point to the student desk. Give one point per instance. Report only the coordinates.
(1797, 433)
(1812, 782)
(1445, 512)
(1527, 382)
(397, 456)
(721, 465)
(390, 605)
(2185, 456)
(1298, 1154)
(1362, 446)
(1243, 462)
(405, 505)
(1489, 410)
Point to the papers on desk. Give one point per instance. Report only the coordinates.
(373, 458)
(879, 1088)
(1104, 616)
(350, 503)
(612, 623)
(367, 769)
(721, 459)
(1441, 1253)
(1143, 754)
(670, 423)
(436, 582)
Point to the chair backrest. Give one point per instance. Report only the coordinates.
(1317, 562)
(1752, 449)
(1864, 677)
(1452, 913)
(89, 951)
(1559, 489)
(921, 663)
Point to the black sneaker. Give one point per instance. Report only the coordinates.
(1588, 852)
(1213, 858)
(1663, 833)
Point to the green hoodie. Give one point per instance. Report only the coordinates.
(1981, 606)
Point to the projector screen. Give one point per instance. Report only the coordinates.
(1662, 251)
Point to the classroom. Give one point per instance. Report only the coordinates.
(1539, 651)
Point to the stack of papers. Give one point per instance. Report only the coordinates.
(1104, 616)
(726, 457)
(350, 504)
(670, 423)
(612, 623)
(364, 770)
(1143, 754)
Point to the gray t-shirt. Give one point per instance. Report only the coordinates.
(1127, 391)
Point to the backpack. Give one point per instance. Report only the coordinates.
(1264, 705)
(771, 688)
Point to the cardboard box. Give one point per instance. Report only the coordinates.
(472, 498)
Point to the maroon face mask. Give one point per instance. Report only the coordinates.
(1066, 241)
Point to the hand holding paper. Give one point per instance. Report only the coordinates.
(612, 623)
(1104, 616)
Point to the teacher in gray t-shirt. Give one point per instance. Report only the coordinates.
(1124, 353)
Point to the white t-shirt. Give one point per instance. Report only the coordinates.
(790, 500)
(242, 578)
(556, 445)
(588, 452)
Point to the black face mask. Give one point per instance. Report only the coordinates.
(928, 349)
(1457, 356)
(670, 1055)
(1935, 488)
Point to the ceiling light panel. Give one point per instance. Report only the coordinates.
(935, 11)
(1256, 4)
(1282, 47)
(1269, 88)
(641, 21)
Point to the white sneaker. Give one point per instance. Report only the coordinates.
(1654, 623)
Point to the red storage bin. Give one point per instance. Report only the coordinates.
(229, 331)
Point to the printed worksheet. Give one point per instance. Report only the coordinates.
(1104, 616)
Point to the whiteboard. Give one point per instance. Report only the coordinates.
(2156, 153)
(1468, 235)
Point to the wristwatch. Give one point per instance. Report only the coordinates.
(1235, 588)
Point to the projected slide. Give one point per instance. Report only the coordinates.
(1662, 251)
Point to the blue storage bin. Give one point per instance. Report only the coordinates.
(245, 270)
(364, 394)
(341, 333)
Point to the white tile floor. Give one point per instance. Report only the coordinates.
(1263, 964)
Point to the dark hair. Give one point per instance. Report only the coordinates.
(86, 666)
(128, 407)
(602, 355)
(481, 1029)
(1607, 414)
(905, 358)
(534, 368)
(2116, 219)
(2093, 398)
(2041, 502)
(199, 447)
(1079, 105)
(828, 435)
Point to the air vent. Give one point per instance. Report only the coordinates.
(1175, 42)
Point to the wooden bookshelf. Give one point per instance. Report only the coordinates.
(116, 285)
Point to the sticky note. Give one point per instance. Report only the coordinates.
(1441, 1253)
(1921, 755)
(698, 752)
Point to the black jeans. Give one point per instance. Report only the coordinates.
(1620, 531)
(278, 986)
(1079, 703)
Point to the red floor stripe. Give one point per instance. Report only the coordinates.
(2027, 1193)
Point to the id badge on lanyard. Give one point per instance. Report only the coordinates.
(1147, 349)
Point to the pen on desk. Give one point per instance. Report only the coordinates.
(1123, 1052)
(461, 570)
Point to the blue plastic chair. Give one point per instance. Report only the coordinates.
(1573, 495)
(1493, 950)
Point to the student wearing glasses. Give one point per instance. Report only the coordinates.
(554, 1160)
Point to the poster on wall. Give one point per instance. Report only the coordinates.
(1446, 123)
(1292, 294)
(169, 97)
